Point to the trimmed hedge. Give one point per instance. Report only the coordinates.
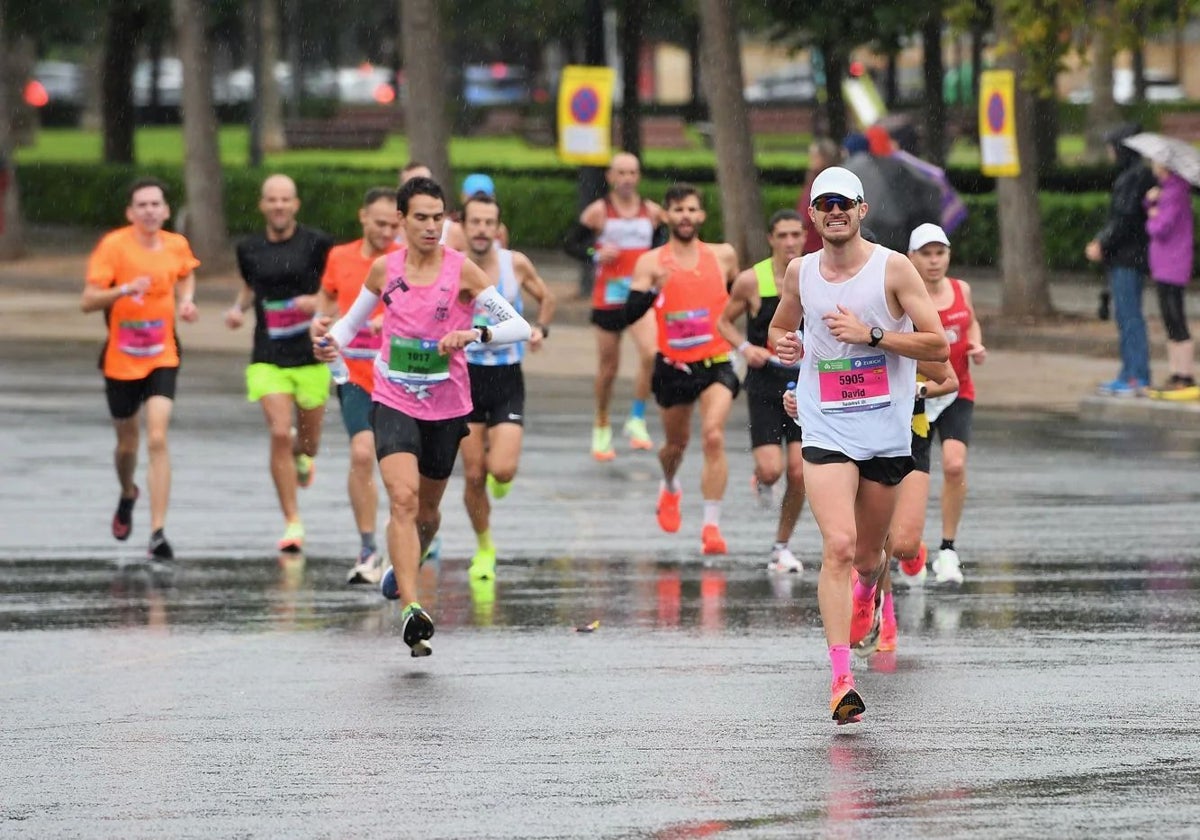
(537, 209)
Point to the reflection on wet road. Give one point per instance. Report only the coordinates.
(611, 683)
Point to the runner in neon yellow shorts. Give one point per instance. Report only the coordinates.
(308, 385)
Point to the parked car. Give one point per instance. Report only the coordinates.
(1160, 87)
(794, 83)
(495, 84)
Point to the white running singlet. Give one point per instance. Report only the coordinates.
(853, 399)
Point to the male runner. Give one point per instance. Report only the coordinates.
(282, 269)
(452, 232)
(866, 319)
(422, 393)
(621, 227)
(492, 447)
(345, 270)
(755, 293)
(951, 415)
(685, 281)
(138, 275)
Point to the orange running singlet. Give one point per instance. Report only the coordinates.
(688, 306)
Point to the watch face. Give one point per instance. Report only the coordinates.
(876, 335)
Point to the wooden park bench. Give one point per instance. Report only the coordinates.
(348, 129)
(1184, 125)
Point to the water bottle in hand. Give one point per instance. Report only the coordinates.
(341, 373)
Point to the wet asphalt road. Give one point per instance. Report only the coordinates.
(232, 694)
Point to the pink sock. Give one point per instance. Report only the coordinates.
(889, 609)
(839, 658)
(864, 592)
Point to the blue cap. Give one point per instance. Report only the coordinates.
(477, 182)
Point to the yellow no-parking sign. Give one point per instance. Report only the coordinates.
(997, 124)
(585, 115)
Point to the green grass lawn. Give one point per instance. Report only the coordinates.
(164, 144)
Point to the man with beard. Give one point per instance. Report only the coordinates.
(685, 281)
(492, 447)
(774, 438)
(282, 269)
(345, 271)
(867, 320)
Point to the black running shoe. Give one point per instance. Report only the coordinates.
(122, 521)
(417, 630)
(159, 548)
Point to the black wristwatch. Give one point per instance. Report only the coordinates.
(545, 330)
(876, 336)
(485, 334)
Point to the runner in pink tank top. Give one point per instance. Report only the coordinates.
(422, 390)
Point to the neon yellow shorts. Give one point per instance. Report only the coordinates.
(308, 384)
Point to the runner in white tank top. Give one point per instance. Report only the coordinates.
(866, 315)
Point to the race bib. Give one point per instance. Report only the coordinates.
(142, 338)
(284, 319)
(856, 384)
(689, 328)
(616, 290)
(364, 345)
(416, 361)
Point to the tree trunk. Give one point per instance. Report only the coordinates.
(1139, 59)
(12, 235)
(935, 74)
(122, 31)
(202, 163)
(1045, 132)
(1102, 113)
(1026, 294)
(891, 80)
(631, 65)
(424, 73)
(737, 177)
(697, 107)
(271, 103)
(834, 63)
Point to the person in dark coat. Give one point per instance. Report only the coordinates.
(1122, 246)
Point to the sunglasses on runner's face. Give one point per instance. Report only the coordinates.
(825, 203)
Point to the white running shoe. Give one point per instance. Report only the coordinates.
(367, 569)
(783, 562)
(947, 568)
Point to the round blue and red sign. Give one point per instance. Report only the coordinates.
(585, 104)
(997, 115)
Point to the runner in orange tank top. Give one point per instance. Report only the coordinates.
(685, 281)
(621, 227)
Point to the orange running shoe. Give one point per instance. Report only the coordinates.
(669, 517)
(711, 540)
(887, 637)
(914, 567)
(845, 702)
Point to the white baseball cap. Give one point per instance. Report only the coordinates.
(837, 180)
(922, 235)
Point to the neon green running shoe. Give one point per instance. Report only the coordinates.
(638, 434)
(498, 489)
(483, 564)
(293, 537)
(602, 449)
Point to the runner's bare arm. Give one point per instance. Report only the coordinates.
(975, 349)
(743, 293)
(905, 292)
(96, 297)
(939, 377)
(788, 317)
(235, 315)
(185, 291)
(535, 287)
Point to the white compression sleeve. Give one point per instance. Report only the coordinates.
(347, 326)
(510, 327)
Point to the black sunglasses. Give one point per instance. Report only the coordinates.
(825, 203)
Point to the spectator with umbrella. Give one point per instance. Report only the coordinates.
(902, 199)
(1169, 224)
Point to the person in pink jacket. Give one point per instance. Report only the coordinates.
(1169, 224)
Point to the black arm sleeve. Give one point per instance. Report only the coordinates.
(638, 304)
(662, 235)
(580, 241)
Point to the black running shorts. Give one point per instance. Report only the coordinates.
(610, 320)
(955, 422)
(498, 394)
(769, 423)
(888, 471)
(675, 384)
(920, 452)
(434, 442)
(125, 396)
